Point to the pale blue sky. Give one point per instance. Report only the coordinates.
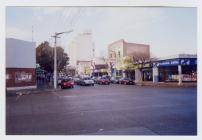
(168, 31)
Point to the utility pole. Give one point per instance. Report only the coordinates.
(55, 55)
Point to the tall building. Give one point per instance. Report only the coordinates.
(20, 64)
(81, 53)
(120, 49)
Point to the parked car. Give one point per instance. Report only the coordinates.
(126, 81)
(114, 80)
(67, 83)
(103, 81)
(95, 79)
(86, 81)
(76, 80)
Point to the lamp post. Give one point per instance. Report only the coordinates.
(55, 55)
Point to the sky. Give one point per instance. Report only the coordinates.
(168, 30)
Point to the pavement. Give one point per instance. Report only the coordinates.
(167, 84)
(104, 110)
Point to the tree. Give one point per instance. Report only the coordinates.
(45, 57)
(141, 59)
(62, 59)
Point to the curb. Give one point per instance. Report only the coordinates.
(166, 85)
(29, 91)
(39, 91)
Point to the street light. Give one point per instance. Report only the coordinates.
(55, 56)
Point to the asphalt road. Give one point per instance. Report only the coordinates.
(104, 110)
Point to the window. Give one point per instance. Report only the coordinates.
(119, 54)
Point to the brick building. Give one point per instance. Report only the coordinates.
(120, 49)
(20, 64)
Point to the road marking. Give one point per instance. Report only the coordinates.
(55, 93)
(137, 130)
(21, 93)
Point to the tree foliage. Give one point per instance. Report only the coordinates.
(45, 57)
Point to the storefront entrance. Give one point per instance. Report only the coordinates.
(147, 75)
(168, 74)
(130, 74)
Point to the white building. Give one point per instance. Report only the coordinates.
(81, 53)
(20, 64)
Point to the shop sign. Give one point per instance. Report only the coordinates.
(103, 70)
(147, 65)
(188, 61)
(23, 77)
(168, 63)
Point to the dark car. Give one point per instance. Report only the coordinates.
(126, 81)
(67, 83)
(103, 81)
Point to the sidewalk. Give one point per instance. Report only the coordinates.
(51, 89)
(167, 84)
(29, 91)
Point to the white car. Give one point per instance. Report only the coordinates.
(86, 81)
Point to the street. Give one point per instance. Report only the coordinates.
(104, 110)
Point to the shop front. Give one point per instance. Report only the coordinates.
(100, 70)
(130, 74)
(177, 70)
(147, 72)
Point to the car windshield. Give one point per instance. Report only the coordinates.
(87, 78)
(66, 80)
(126, 79)
(104, 78)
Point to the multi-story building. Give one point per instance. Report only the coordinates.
(120, 49)
(20, 64)
(81, 53)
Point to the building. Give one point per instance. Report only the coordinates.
(81, 53)
(20, 64)
(177, 68)
(100, 67)
(119, 50)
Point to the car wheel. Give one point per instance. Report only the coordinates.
(92, 84)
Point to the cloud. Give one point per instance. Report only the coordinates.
(47, 10)
(13, 32)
